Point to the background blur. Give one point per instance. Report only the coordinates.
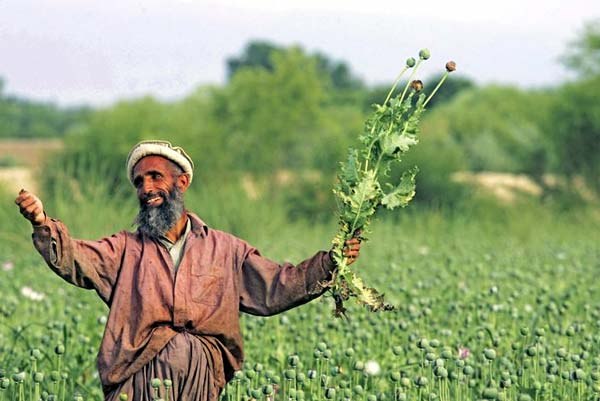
(267, 99)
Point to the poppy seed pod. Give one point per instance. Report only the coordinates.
(410, 62)
(38, 377)
(450, 66)
(19, 377)
(293, 360)
(417, 85)
(489, 354)
(267, 389)
(35, 354)
(424, 54)
(59, 349)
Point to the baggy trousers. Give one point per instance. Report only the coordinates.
(187, 361)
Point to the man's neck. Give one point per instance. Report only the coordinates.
(178, 229)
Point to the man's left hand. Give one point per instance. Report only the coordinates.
(352, 249)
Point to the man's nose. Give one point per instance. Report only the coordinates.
(147, 186)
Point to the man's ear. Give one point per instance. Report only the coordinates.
(183, 182)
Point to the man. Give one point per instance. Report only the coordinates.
(175, 287)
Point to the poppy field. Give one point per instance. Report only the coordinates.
(496, 306)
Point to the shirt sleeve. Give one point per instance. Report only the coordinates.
(87, 264)
(268, 288)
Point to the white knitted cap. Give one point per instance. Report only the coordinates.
(159, 148)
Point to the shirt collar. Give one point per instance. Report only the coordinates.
(167, 242)
(198, 226)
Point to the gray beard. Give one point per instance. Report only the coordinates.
(156, 221)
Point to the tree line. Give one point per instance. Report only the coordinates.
(286, 111)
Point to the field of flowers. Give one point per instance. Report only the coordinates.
(499, 306)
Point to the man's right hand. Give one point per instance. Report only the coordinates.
(31, 207)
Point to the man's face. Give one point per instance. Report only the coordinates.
(161, 198)
(153, 179)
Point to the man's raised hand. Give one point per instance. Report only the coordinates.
(31, 207)
(352, 248)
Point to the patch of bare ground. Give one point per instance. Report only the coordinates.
(29, 152)
(509, 187)
(13, 179)
(506, 187)
(28, 156)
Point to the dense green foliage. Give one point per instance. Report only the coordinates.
(583, 53)
(260, 54)
(509, 138)
(20, 118)
(281, 124)
(574, 130)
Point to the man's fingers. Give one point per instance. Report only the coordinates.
(27, 203)
(352, 247)
(21, 198)
(352, 244)
(30, 210)
(351, 253)
(25, 197)
(30, 206)
(37, 210)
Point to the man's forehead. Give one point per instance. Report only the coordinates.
(152, 162)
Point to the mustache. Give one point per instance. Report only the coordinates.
(144, 198)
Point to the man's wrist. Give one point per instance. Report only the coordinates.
(41, 223)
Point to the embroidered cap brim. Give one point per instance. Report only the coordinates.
(159, 148)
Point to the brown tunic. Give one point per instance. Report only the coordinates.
(219, 275)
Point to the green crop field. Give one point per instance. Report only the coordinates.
(501, 304)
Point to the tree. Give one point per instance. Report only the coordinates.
(574, 128)
(259, 53)
(448, 90)
(338, 71)
(22, 118)
(271, 116)
(498, 128)
(583, 53)
(256, 54)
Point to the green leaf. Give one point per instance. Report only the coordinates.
(398, 142)
(367, 189)
(349, 170)
(366, 295)
(403, 193)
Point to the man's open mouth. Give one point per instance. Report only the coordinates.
(153, 200)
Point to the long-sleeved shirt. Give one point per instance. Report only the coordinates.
(219, 275)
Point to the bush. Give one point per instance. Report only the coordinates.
(498, 128)
(574, 128)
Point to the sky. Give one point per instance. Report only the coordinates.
(97, 52)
